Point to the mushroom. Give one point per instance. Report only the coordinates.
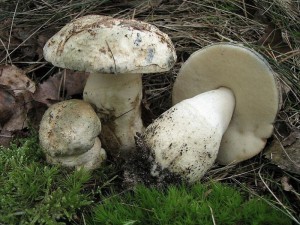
(225, 102)
(68, 135)
(116, 52)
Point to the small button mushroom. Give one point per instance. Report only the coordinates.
(68, 135)
(116, 52)
(225, 103)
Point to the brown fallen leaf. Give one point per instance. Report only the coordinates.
(65, 83)
(15, 79)
(15, 101)
(41, 41)
(272, 38)
(7, 105)
(285, 183)
(286, 157)
(19, 119)
(291, 139)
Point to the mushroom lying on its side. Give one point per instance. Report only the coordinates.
(116, 52)
(226, 100)
(68, 135)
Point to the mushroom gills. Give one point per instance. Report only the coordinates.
(186, 138)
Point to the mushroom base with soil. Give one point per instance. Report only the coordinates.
(174, 137)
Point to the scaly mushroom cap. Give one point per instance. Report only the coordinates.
(69, 128)
(251, 80)
(104, 44)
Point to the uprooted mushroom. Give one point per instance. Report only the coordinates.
(225, 102)
(116, 52)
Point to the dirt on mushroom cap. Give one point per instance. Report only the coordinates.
(103, 44)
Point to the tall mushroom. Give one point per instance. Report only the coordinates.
(68, 135)
(116, 52)
(225, 102)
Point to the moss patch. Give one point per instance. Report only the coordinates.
(199, 204)
(35, 193)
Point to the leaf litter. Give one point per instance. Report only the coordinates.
(16, 98)
(19, 94)
(60, 86)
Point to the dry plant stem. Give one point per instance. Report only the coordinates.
(287, 211)
(117, 100)
(10, 32)
(212, 215)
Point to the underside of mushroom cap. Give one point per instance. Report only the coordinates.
(252, 81)
(104, 44)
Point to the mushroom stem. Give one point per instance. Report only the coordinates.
(117, 100)
(216, 107)
(186, 138)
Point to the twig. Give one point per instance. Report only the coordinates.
(10, 32)
(212, 215)
(272, 193)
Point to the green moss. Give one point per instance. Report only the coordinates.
(199, 204)
(35, 193)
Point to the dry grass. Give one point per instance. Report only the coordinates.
(270, 27)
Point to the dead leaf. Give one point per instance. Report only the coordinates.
(15, 79)
(285, 184)
(75, 82)
(287, 158)
(7, 105)
(48, 91)
(18, 119)
(15, 101)
(5, 138)
(273, 39)
(68, 82)
(272, 36)
(41, 41)
(291, 139)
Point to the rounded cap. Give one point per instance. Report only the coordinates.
(104, 44)
(251, 80)
(69, 128)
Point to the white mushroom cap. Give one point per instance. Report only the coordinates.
(104, 44)
(69, 129)
(251, 80)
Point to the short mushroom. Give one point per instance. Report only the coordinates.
(225, 103)
(116, 52)
(68, 135)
